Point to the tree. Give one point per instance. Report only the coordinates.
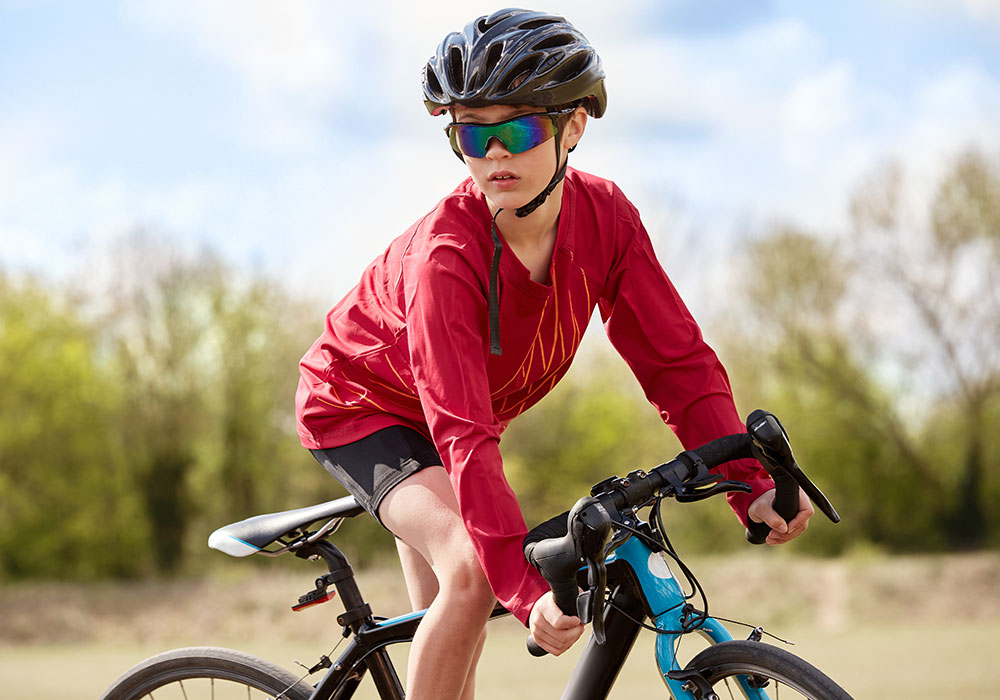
(65, 506)
(157, 323)
(942, 276)
(885, 346)
(206, 359)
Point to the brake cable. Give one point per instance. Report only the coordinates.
(666, 546)
(689, 622)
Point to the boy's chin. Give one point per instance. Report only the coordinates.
(508, 202)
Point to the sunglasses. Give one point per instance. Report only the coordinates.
(517, 135)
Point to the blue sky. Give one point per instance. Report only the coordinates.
(291, 137)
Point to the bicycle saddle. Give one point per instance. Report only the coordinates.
(254, 534)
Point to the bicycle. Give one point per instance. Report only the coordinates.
(603, 562)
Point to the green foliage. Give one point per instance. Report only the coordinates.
(207, 360)
(142, 416)
(66, 508)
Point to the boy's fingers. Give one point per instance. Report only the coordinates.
(565, 622)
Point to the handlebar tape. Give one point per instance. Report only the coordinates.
(725, 449)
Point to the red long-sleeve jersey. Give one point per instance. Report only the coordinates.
(409, 345)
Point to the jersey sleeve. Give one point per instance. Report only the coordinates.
(652, 329)
(446, 331)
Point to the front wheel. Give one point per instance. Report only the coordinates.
(742, 669)
(206, 672)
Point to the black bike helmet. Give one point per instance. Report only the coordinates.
(515, 57)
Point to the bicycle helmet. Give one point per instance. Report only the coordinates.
(515, 57)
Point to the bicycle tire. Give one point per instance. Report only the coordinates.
(722, 663)
(208, 672)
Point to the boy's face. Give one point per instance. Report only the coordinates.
(510, 180)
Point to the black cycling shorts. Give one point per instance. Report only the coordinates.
(370, 467)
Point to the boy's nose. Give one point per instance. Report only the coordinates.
(495, 148)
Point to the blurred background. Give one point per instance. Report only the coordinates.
(186, 188)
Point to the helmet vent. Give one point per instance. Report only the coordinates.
(433, 85)
(521, 72)
(535, 23)
(457, 68)
(554, 41)
(572, 67)
(492, 58)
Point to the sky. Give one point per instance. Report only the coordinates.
(291, 136)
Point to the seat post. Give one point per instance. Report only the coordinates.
(357, 612)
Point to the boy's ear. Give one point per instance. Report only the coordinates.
(575, 127)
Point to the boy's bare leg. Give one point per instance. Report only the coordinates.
(421, 584)
(443, 575)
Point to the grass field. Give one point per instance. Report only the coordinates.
(884, 628)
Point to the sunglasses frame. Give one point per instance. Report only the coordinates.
(551, 115)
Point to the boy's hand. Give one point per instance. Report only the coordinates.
(762, 511)
(550, 628)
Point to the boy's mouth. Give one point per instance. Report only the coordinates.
(502, 176)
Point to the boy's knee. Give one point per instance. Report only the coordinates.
(466, 584)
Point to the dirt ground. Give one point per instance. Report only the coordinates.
(242, 601)
(914, 627)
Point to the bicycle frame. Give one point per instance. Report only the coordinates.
(663, 592)
(599, 664)
(367, 652)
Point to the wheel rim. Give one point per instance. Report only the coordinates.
(188, 685)
(747, 680)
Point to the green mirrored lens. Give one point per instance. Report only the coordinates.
(517, 135)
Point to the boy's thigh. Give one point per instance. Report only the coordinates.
(423, 512)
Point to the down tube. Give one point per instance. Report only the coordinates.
(663, 592)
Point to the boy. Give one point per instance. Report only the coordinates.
(473, 314)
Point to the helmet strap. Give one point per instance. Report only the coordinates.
(522, 212)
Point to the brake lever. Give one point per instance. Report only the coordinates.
(590, 603)
(771, 438)
(772, 449)
(596, 529)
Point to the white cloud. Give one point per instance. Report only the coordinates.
(24, 139)
(282, 47)
(817, 111)
(291, 59)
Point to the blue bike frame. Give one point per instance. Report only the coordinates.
(663, 592)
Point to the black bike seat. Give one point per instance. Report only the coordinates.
(254, 534)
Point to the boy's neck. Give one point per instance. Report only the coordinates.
(538, 226)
